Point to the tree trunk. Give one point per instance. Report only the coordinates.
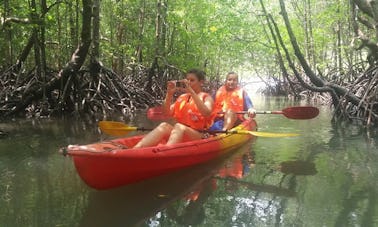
(8, 36)
(95, 52)
(141, 18)
(370, 20)
(74, 23)
(270, 21)
(70, 70)
(154, 69)
(337, 92)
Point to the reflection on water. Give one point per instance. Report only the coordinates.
(325, 177)
(135, 204)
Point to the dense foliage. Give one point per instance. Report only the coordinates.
(221, 35)
(149, 41)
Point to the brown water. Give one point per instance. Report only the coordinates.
(325, 177)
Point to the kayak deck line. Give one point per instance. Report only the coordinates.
(89, 148)
(165, 148)
(119, 146)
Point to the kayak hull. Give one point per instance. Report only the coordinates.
(110, 164)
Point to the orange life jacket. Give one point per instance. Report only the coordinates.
(229, 100)
(186, 112)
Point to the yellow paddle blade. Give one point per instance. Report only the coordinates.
(115, 128)
(267, 134)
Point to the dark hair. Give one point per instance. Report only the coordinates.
(199, 73)
(232, 72)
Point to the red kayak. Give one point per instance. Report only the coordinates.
(113, 163)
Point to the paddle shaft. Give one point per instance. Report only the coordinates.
(258, 112)
(295, 112)
(120, 129)
(130, 128)
(269, 112)
(242, 112)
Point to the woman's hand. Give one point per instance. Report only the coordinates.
(186, 86)
(171, 87)
(251, 112)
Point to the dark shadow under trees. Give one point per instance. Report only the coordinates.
(92, 90)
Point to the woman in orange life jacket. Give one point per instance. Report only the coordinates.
(229, 99)
(192, 111)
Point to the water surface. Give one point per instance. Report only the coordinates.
(325, 177)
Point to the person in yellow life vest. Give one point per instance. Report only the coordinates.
(192, 112)
(230, 99)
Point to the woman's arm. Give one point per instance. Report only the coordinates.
(247, 101)
(167, 104)
(205, 107)
(248, 105)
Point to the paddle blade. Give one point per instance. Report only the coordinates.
(115, 128)
(157, 114)
(266, 134)
(300, 112)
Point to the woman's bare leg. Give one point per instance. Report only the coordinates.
(155, 136)
(229, 120)
(181, 133)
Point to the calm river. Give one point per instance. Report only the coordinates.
(327, 176)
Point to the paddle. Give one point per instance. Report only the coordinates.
(115, 128)
(295, 112)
